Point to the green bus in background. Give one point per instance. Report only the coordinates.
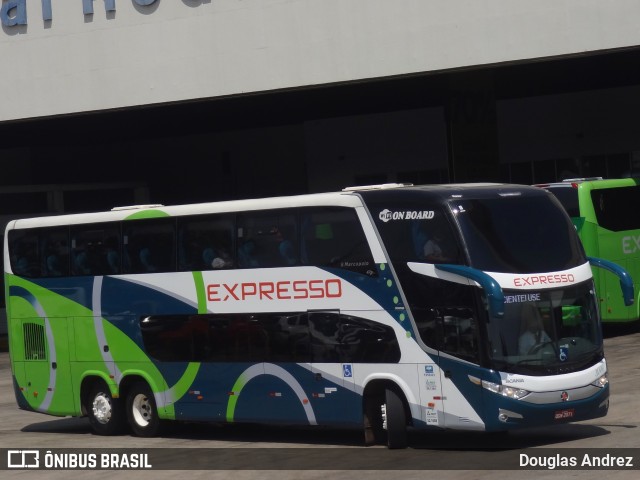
(606, 214)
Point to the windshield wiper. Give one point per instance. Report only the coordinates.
(502, 366)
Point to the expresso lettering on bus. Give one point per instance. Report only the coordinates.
(283, 290)
(543, 279)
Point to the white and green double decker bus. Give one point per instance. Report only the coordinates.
(605, 214)
(468, 307)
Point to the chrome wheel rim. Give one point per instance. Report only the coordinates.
(102, 408)
(141, 409)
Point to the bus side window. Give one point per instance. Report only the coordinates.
(24, 253)
(81, 262)
(205, 242)
(248, 254)
(334, 238)
(95, 249)
(611, 207)
(146, 260)
(460, 333)
(335, 337)
(112, 255)
(267, 240)
(55, 252)
(149, 246)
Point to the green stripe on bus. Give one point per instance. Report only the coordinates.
(147, 214)
(200, 292)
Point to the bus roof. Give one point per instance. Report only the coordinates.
(349, 197)
(592, 182)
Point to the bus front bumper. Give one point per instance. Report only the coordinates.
(542, 409)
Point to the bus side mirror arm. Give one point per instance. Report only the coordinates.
(626, 282)
(491, 287)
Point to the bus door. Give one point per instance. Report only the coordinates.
(332, 387)
(457, 360)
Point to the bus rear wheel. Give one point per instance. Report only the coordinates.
(105, 412)
(142, 412)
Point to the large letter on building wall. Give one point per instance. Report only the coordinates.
(87, 6)
(14, 12)
(47, 14)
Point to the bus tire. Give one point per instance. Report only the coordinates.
(105, 413)
(142, 412)
(395, 420)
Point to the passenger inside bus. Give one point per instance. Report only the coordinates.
(247, 254)
(208, 256)
(81, 263)
(216, 259)
(112, 257)
(286, 251)
(533, 333)
(53, 266)
(433, 248)
(146, 261)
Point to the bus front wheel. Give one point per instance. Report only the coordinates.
(394, 420)
(105, 412)
(142, 413)
(385, 420)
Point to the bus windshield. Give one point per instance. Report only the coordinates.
(558, 331)
(512, 237)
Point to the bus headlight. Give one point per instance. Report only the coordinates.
(602, 381)
(510, 392)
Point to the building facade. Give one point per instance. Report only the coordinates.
(197, 100)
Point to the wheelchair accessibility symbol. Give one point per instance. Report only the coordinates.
(346, 371)
(564, 353)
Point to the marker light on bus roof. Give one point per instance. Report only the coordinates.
(582, 179)
(137, 207)
(509, 194)
(380, 186)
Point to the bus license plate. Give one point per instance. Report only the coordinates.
(563, 414)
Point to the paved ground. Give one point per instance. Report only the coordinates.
(273, 452)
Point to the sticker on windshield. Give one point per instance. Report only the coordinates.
(528, 297)
(564, 353)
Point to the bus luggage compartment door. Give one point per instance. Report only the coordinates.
(46, 365)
